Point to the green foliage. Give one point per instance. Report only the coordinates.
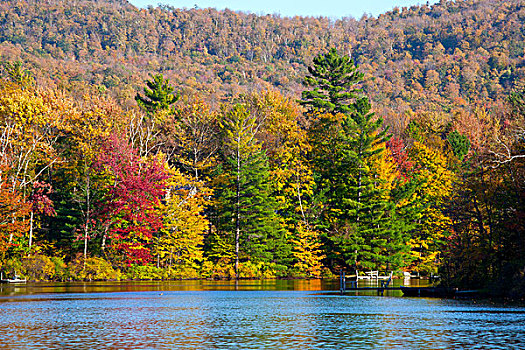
(364, 231)
(158, 95)
(333, 79)
(224, 269)
(246, 211)
(517, 101)
(16, 73)
(459, 143)
(145, 272)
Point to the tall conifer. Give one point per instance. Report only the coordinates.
(333, 80)
(360, 220)
(245, 208)
(159, 94)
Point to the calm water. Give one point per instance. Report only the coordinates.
(252, 315)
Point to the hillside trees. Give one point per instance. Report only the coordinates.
(461, 50)
(486, 248)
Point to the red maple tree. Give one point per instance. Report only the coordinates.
(135, 189)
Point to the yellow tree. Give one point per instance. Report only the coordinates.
(192, 135)
(307, 251)
(434, 226)
(179, 243)
(29, 130)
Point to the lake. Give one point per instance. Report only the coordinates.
(293, 314)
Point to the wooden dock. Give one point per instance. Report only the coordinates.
(352, 285)
(426, 292)
(371, 275)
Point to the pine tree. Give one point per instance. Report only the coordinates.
(362, 228)
(16, 73)
(245, 208)
(357, 207)
(334, 81)
(159, 95)
(459, 143)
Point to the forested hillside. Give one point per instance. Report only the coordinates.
(166, 143)
(448, 55)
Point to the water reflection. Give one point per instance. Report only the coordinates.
(259, 315)
(138, 286)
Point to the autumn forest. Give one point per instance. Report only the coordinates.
(166, 143)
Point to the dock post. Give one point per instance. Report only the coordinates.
(341, 287)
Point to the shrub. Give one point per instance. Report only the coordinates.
(10, 267)
(61, 270)
(38, 268)
(145, 272)
(96, 269)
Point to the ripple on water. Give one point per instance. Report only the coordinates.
(253, 320)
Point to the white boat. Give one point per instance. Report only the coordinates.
(17, 279)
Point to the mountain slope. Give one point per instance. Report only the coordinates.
(446, 55)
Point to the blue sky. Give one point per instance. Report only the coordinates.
(329, 8)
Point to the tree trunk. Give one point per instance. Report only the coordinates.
(85, 244)
(358, 195)
(103, 246)
(88, 216)
(31, 229)
(238, 214)
(11, 234)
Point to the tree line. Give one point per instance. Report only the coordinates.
(259, 186)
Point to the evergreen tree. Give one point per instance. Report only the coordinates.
(245, 208)
(334, 81)
(159, 95)
(362, 228)
(358, 214)
(459, 143)
(16, 73)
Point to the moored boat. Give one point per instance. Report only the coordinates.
(16, 279)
